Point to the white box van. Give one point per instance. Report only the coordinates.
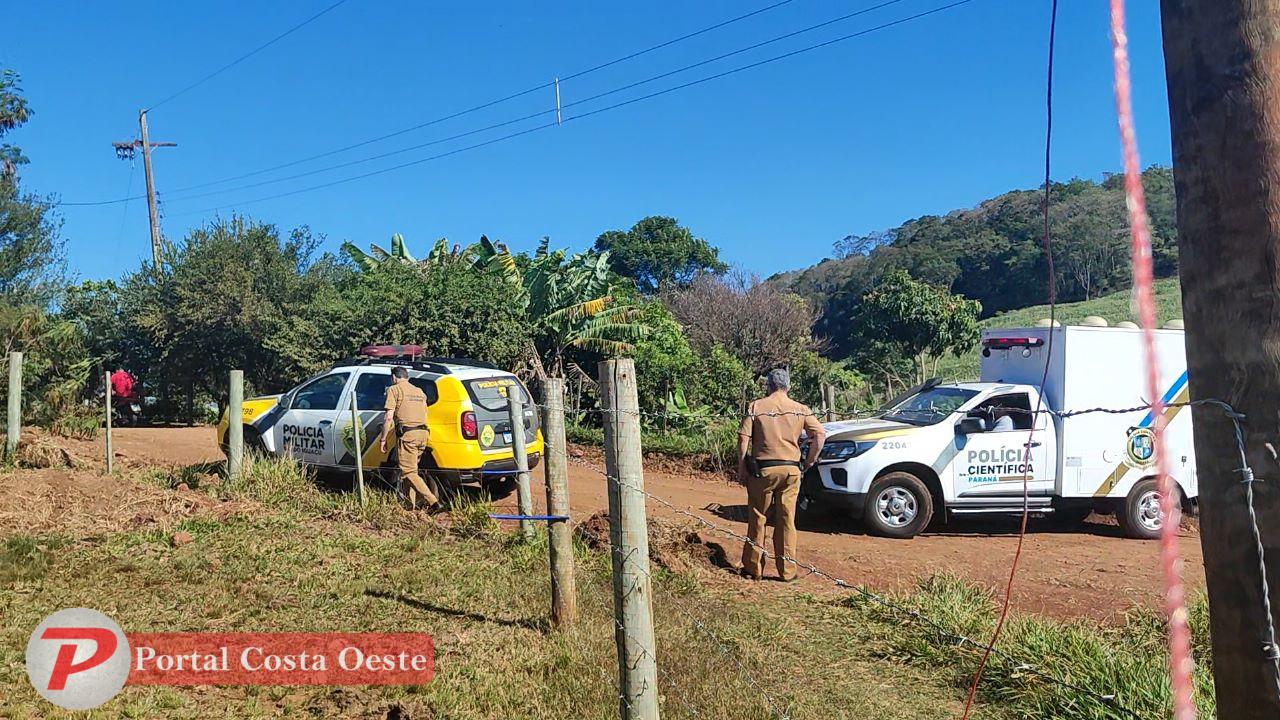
(958, 449)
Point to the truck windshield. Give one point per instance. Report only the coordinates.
(930, 406)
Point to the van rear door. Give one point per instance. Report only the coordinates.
(489, 396)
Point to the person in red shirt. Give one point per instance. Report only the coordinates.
(121, 384)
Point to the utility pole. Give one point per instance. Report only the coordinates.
(1224, 91)
(126, 151)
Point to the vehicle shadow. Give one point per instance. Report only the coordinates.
(817, 522)
(997, 526)
(539, 625)
(831, 523)
(385, 479)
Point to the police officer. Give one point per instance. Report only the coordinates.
(406, 408)
(772, 471)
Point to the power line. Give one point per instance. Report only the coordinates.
(491, 103)
(597, 111)
(247, 55)
(513, 121)
(449, 117)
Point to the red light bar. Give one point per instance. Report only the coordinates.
(410, 351)
(1004, 343)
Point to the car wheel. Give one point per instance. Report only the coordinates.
(443, 485)
(253, 445)
(499, 487)
(898, 506)
(1140, 515)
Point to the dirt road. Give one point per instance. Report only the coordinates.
(1087, 570)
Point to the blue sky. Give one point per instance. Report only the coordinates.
(772, 165)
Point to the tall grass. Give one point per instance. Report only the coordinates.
(1125, 660)
(714, 446)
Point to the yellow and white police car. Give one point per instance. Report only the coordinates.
(467, 414)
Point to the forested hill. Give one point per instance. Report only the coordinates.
(992, 253)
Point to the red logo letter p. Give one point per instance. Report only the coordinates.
(64, 666)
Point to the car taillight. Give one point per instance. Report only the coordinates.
(469, 430)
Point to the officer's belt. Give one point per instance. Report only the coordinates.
(762, 464)
(402, 429)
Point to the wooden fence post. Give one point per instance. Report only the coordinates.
(106, 376)
(564, 595)
(629, 541)
(357, 441)
(829, 399)
(14, 430)
(515, 412)
(235, 425)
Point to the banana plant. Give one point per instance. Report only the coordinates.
(568, 301)
(376, 256)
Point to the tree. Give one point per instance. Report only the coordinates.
(759, 323)
(571, 303)
(567, 303)
(460, 313)
(233, 294)
(663, 358)
(56, 367)
(922, 321)
(31, 261)
(94, 308)
(659, 254)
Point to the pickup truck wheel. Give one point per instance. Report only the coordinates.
(898, 506)
(1140, 515)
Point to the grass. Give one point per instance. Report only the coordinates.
(295, 557)
(1114, 307)
(714, 446)
(1125, 660)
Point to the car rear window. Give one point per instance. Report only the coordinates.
(371, 389)
(491, 393)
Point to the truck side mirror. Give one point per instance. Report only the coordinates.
(970, 426)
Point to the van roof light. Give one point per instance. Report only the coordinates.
(1004, 343)
(391, 351)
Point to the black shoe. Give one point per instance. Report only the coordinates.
(436, 508)
(743, 572)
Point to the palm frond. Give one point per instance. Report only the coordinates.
(620, 331)
(578, 311)
(399, 250)
(362, 259)
(602, 346)
(439, 252)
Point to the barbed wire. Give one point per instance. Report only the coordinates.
(1269, 646)
(721, 645)
(1108, 700)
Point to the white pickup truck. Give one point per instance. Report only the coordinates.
(939, 450)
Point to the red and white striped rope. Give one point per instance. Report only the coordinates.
(1180, 660)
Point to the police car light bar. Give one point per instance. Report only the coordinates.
(391, 351)
(1004, 343)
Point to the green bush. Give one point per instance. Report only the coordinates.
(712, 448)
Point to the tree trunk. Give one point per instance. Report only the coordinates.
(1224, 103)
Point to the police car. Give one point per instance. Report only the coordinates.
(467, 414)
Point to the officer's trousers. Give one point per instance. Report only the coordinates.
(777, 488)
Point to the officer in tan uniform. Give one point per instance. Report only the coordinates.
(772, 471)
(406, 408)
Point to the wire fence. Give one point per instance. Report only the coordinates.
(1270, 649)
